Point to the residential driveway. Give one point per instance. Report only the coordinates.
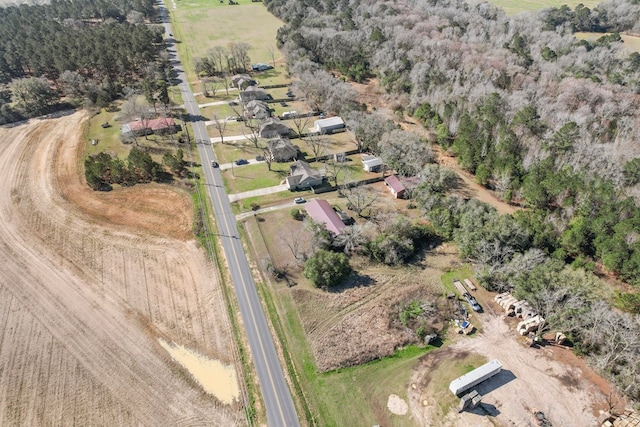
(264, 210)
(228, 138)
(212, 104)
(226, 166)
(258, 192)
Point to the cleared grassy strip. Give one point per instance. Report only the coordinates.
(511, 7)
(247, 204)
(231, 151)
(253, 177)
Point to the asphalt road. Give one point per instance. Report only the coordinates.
(275, 392)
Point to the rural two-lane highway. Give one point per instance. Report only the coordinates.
(275, 392)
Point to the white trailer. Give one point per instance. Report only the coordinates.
(475, 377)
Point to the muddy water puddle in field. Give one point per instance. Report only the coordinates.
(216, 378)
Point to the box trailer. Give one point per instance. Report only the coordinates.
(475, 377)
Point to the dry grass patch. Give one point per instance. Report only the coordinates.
(358, 322)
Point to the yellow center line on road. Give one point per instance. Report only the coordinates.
(244, 284)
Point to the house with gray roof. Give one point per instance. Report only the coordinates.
(282, 150)
(242, 81)
(257, 109)
(302, 176)
(274, 128)
(254, 92)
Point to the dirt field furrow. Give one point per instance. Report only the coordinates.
(88, 283)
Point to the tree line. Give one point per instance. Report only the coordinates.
(545, 120)
(93, 50)
(104, 170)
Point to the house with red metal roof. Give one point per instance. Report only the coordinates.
(321, 211)
(395, 186)
(161, 126)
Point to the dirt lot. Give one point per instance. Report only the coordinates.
(549, 379)
(89, 282)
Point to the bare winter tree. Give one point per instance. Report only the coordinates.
(404, 152)
(266, 153)
(240, 54)
(360, 198)
(351, 238)
(252, 131)
(272, 53)
(336, 172)
(135, 108)
(293, 242)
(220, 125)
(368, 129)
(301, 124)
(218, 55)
(318, 144)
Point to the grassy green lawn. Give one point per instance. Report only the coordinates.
(245, 205)
(253, 177)
(199, 25)
(234, 150)
(460, 274)
(511, 7)
(448, 370)
(108, 138)
(355, 396)
(221, 95)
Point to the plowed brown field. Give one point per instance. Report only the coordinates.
(88, 284)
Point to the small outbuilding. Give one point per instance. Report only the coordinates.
(302, 176)
(282, 150)
(329, 125)
(274, 128)
(395, 186)
(371, 163)
(254, 92)
(321, 211)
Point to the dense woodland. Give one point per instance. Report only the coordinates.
(86, 52)
(544, 119)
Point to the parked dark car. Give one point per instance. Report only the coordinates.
(241, 162)
(473, 303)
(214, 164)
(283, 104)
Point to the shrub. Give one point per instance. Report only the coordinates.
(327, 269)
